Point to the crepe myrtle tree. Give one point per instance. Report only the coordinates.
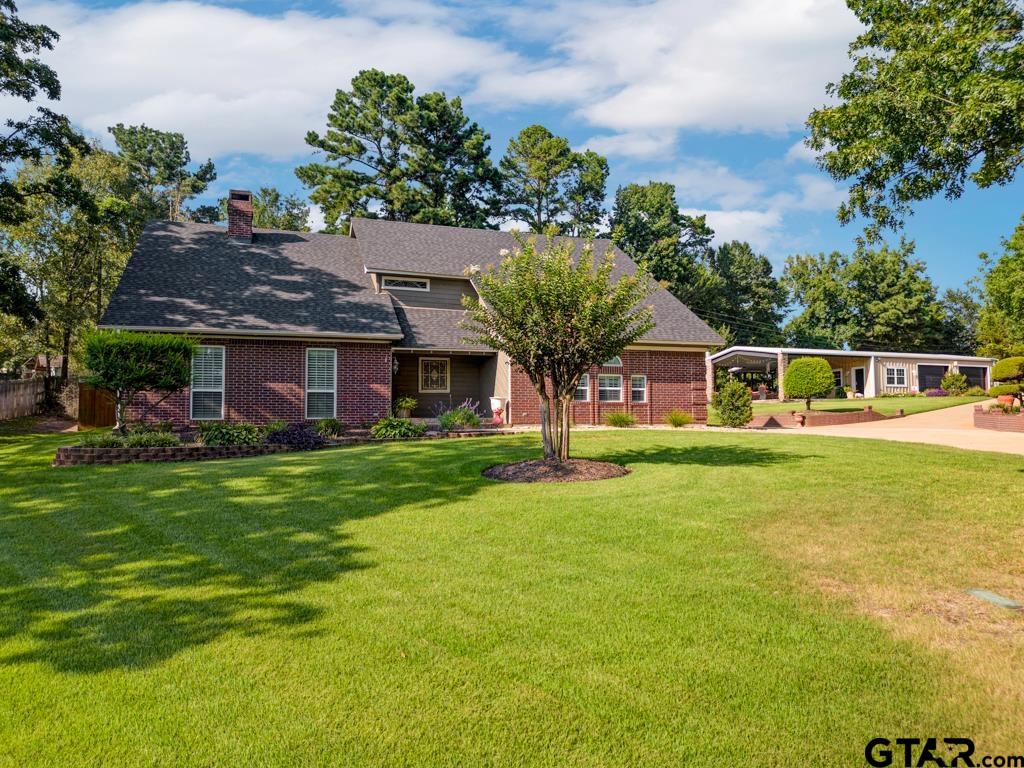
(126, 364)
(808, 377)
(555, 316)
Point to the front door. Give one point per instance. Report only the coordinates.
(858, 380)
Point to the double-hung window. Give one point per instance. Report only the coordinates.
(895, 377)
(321, 380)
(207, 392)
(582, 388)
(638, 389)
(609, 388)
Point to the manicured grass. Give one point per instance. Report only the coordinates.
(884, 405)
(385, 605)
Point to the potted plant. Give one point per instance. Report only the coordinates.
(404, 406)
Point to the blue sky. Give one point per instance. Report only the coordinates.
(709, 95)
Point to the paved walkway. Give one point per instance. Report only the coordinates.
(946, 426)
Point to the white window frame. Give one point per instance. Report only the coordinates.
(895, 370)
(334, 388)
(222, 389)
(584, 384)
(609, 389)
(386, 278)
(633, 388)
(615, 362)
(448, 377)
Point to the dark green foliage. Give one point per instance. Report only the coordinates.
(975, 391)
(619, 419)
(273, 426)
(732, 402)
(808, 377)
(1001, 323)
(742, 294)
(417, 159)
(584, 194)
(1004, 389)
(301, 436)
(1009, 369)
(458, 417)
(136, 439)
(44, 133)
(221, 433)
(678, 418)
(954, 383)
(391, 427)
(875, 299)
(329, 427)
(126, 364)
(158, 164)
(15, 299)
(933, 100)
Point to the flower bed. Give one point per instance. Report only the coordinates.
(997, 419)
(73, 455)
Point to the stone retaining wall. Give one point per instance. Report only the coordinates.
(997, 420)
(818, 418)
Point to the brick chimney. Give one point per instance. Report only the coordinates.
(240, 215)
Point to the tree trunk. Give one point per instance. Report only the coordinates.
(66, 352)
(545, 425)
(556, 428)
(119, 409)
(563, 442)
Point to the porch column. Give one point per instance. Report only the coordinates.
(870, 383)
(780, 368)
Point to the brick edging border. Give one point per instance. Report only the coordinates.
(74, 455)
(997, 420)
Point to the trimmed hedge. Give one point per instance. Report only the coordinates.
(1004, 389)
(732, 402)
(808, 377)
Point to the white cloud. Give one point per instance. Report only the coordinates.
(640, 145)
(233, 81)
(800, 153)
(746, 65)
(701, 180)
(316, 217)
(759, 228)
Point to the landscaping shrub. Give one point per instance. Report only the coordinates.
(103, 440)
(677, 418)
(329, 427)
(406, 403)
(462, 415)
(219, 433)
(619, 419)
(151, 440)
(301, 436)
(975, 391)
(937, 392)
(808, 377)
(392, 427)
(954, 383)
(1008, 370)
(733, 404)
(1004, 389)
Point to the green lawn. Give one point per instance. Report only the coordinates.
(884, 405)
(385, 605)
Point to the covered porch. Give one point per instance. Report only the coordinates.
(764, 370)
(443, 379)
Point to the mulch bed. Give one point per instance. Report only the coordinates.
(544, 471)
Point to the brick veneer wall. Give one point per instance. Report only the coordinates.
(997, 420)
(674, 380)
(264, 380)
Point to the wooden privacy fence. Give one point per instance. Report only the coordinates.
(95, 407)
(23, 397)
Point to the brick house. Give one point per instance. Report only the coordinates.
(298, 325)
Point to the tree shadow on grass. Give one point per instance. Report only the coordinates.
(717, 455)
(124, 567)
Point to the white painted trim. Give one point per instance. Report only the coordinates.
(773, 351)
(223, 385)
(631, 387)
(390, 271)
(306, 389)
(385, 287)
(853, 379)
(419, 377)
(587, 387)
(895, 369)
(610, 375)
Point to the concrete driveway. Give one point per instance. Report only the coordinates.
(947, 426)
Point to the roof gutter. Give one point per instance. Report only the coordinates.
(257, 334)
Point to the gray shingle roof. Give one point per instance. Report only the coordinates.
(426, 328)
(426, 249)
(193, 276)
